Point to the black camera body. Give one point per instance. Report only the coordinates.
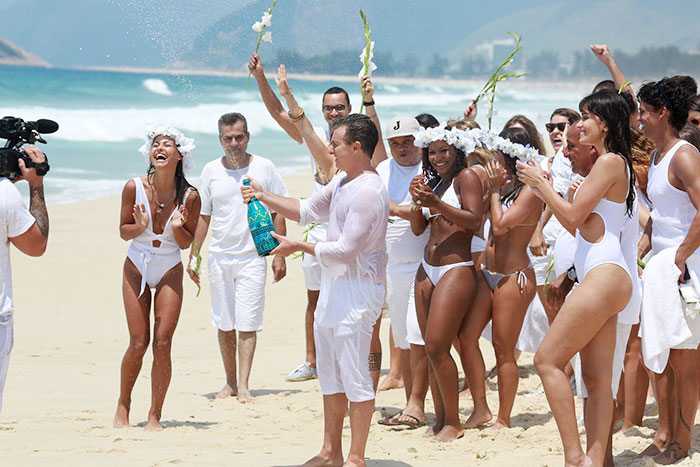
(17, 132)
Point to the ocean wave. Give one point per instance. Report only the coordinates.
(157, 86)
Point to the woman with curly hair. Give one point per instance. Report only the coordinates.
(159, 213)
(448, 197)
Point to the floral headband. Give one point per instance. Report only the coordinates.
(467, 141)
(184, 145)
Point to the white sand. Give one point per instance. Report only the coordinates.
(71, 333)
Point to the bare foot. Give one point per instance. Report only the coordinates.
(651, 451)
(499, 426)
(477, 418)
(121, 418)
(358, 463)
(153, 424)
(672, 454)
(585, 462)
(244, 396)
(226, 391)
(324, 460)
(449, 433)
(390, 382)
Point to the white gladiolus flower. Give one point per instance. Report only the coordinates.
(267, 37)
(266, 19)
(258, 26)
(370, 65)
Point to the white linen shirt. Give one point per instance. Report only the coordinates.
(352, 257)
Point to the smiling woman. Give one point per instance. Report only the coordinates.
(159, 213)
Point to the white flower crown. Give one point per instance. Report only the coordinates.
(184, 145)
(467, 141)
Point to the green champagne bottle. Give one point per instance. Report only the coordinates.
(260, 225)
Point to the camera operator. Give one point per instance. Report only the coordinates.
(28, 231)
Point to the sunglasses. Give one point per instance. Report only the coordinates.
(694, 121)
(551, 126)
(331, 108)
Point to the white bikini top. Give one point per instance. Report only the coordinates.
(448, 197)
(147, 237)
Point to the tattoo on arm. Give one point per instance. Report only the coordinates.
(37, 207)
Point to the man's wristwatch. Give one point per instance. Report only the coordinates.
(571, 274)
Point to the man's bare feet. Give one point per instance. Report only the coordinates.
(244, 396)
(324, 460)
(449, 433)
(672, 454)
(355, 463)
(153, 424)
(121, 417)
(584, 462)
(226, 391)
(478, 418)
(390, 382)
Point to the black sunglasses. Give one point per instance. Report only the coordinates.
(551, 126)
(338, 108)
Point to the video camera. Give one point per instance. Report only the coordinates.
(18, 132)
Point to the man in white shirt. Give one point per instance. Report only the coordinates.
(404, 250)
(236, 273)
(28, 231)
(352, 280)
(335, 104)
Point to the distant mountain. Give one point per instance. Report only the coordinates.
(10, 54)
(566, 27)
(217, 34)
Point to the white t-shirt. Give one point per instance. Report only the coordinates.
(352, 257)
(402, 246)
(562, 175)
(15, 220)
(220, 191)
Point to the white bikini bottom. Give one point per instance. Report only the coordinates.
(435, 273)
(152, 264)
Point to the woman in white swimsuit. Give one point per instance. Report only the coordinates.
(448, 196)
(159, 213)
(515, 211)
(586, 323)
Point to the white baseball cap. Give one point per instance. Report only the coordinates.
(401, 125)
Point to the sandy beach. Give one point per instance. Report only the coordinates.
(70, 334)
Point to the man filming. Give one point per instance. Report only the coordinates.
(28, 230)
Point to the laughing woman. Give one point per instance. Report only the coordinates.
(449, 198)
(515, 212)
(159, 213)
(587, 321)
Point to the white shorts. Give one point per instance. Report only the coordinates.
(6, 343)
(309, 263)
(342, 359)
(400, 298)
(621, 339)
(237, 292)
(413, 334)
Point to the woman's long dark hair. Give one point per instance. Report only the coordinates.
(432, 178)
(521, 136)
(181, 183)
(612, 108)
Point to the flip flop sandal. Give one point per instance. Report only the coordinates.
(412, 424)
(389, 420)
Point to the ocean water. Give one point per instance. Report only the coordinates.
(103, 115)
